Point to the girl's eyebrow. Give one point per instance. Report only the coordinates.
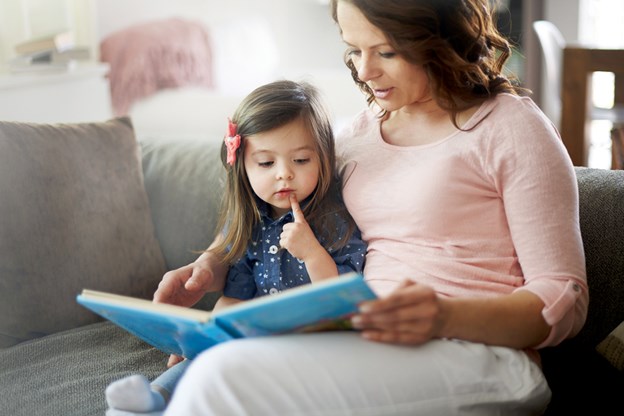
(306, 147)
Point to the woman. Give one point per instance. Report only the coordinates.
(469, 204)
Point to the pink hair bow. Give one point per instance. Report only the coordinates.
(232, 142)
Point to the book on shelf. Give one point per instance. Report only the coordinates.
(321, 306)
(49, 60)
(58, 41)
(77, 53)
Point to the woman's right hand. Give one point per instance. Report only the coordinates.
(188, 284)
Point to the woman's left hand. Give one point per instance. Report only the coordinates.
(412, 314)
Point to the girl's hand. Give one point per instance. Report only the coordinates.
(297, 237)
(412, 314)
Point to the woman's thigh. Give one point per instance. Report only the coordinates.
(339, 373)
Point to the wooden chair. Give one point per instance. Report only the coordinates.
(552, 45)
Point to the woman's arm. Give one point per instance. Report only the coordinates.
(414, 314)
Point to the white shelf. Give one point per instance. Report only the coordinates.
(81, 94)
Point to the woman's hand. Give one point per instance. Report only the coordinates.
(188, 284)
(412, 314)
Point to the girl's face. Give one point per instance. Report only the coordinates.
(280, 162)
(395, 82)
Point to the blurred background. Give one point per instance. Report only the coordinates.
(249, 42)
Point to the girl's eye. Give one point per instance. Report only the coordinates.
(265, 164)
(302, 161)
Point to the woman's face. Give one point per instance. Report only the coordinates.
(395, 82)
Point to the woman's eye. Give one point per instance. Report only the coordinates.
(387, 55)
(265, 164)
(353, 52)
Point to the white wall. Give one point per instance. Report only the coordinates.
(565, 14)
(303, 29)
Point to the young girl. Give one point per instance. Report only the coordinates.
(278, 150)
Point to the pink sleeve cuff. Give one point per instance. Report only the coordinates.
(565, 306)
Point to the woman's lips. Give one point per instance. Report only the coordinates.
(382, 93)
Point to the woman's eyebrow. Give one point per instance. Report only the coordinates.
(378, 45)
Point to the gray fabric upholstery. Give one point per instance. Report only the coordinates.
(581, 379)
(602, 226)
(183, 179)
(74, 214)
(65, 374)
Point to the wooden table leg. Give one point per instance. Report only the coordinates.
(575, 105)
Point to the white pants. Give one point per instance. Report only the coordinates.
(339, 373)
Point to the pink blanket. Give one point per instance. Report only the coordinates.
(152, 56)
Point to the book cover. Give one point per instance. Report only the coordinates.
(187, 332)
(58, 41)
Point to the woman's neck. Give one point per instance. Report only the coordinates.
(419, 125)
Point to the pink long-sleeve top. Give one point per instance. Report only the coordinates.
(483, 212)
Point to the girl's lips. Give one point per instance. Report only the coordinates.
(284, 193)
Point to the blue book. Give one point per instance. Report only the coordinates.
(322, 306)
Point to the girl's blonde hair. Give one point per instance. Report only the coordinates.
(266, 108)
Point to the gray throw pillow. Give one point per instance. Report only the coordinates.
(184, 183)
(74, 214)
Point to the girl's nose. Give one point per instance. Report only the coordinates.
(285, 173)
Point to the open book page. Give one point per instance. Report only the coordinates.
(319, 305)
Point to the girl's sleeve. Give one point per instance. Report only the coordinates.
(240, 283)
(350, 258)
(534, 175)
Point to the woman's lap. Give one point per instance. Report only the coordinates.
(340, 373)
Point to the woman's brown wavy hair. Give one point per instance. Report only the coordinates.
(455, 41)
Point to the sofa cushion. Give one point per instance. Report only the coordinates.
(65, 374)
(575, 369)
(612, 347)
(184, 179)
(74, 214)
(601, 194)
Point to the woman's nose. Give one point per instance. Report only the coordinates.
(366, 69)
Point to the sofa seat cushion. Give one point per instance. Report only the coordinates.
(66, 373)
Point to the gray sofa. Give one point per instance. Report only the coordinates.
(87, 206)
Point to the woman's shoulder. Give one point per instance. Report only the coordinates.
(511, 106)
(365, 120)
(512, 114)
